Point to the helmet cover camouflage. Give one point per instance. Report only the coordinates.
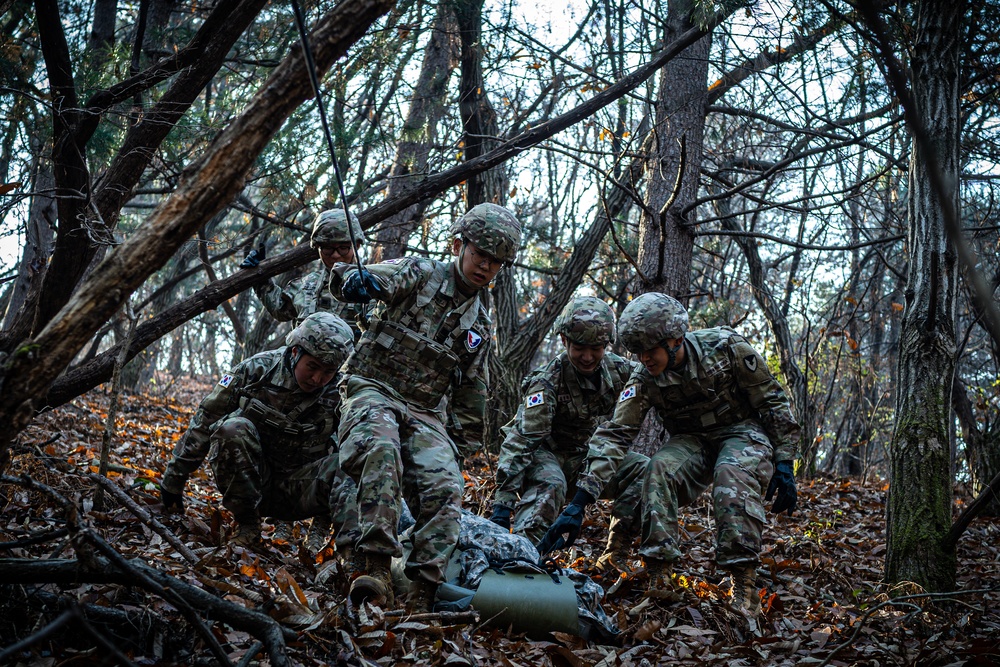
(492, 228)
(586, 320)
(324, 336)
(330, 228)
(651, 319)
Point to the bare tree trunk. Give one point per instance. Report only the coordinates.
(665, 245)
(982, 445)
(920, 492)
(419, 132)
(34, 255)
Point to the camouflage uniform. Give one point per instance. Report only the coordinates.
(303, 297)
(546, 445)
(723, 411)
(271, 446)
(307, 295)
(426, 346)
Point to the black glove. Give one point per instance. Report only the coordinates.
(254, 257)
(568, 523)
(360, 287)
(783, 481)
(172, 502)
(501, 516)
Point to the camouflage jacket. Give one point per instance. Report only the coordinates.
(295, 428)
(304, 296)
(723, 381)
(559, 411)
(425, 341)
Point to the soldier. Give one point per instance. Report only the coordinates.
(546, 443)
(307, 295)
(268, 429)
(426, 344)
(728, 422)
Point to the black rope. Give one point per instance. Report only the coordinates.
(314, 80)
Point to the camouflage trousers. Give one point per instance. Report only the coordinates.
(736, 462)
(254, 484)
(395, 451)
(551, 478)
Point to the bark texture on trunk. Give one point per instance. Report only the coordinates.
(665, 244)
(920, 493)
(419, 132)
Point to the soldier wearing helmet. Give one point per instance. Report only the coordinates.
(269, 431)
(545, 447)
(728, 425)
(306, 295)
(425, 347)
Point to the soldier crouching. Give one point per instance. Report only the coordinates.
(268, 431)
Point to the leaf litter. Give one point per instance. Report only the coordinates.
(821, 574)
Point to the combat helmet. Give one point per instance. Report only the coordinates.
(586, 320)
(651, 319)
(492, 228)
(330, 228)
(324, 336)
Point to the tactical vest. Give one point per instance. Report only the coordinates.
(302, 440)
(417, 367)
(576, 419)
(712, 402)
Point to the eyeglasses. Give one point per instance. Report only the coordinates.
(484, 260)
(340, 249)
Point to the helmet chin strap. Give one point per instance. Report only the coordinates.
(459, 258)
(672, 354)
(294, 355)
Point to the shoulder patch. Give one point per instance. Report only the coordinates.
(629, 392)
(226, 380)
(473, 340)
(536, 399)
(395, 260)
(750, 361)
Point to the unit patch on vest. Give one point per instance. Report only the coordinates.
(394, 260)
(473, 340)
(226, 380)
(751, 362)
(538, 398)
(628, 393)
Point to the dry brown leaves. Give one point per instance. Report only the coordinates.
(821, 571)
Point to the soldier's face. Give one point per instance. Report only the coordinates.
(586, 358)
(331, 254)
(657, 359)
(311, 374)
(478, 267)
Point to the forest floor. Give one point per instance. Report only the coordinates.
(824, 599)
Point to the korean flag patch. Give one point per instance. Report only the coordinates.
(473, 340)
(538, 398)
(226, 379)
(628, 393)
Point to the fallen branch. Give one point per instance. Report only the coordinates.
(145, 517)
(446, 617)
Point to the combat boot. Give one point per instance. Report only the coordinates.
(247, 536)
(661, 584)
(374, 583)
(616, 553)
(319, 534)
(746, 600)
(420, 597)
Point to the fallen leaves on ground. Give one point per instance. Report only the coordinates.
(820, 574)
